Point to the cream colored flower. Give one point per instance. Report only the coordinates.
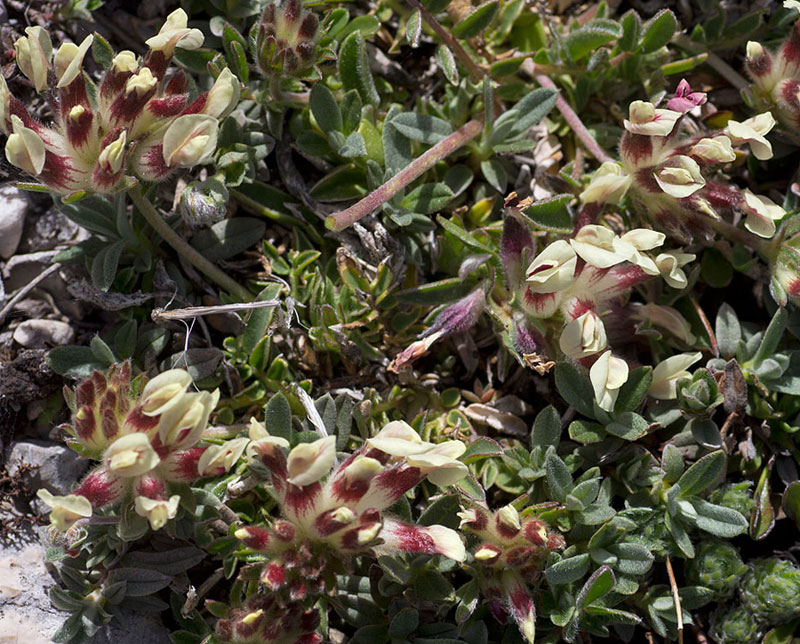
(223, 96)
(608, 185)
(646, 119)
(599, 246)
(439, 463)
(553, 269)
(762, 213)
(190, 139)
(33, 53)
(141, 82)
(634, 242)
(680, 177)
(68, 61)
(791, 4)
(218, 459)
(183, 424)
(175, 33)
(309, 462)
(607, 375)
(668, 372)
(398, 438)
(508, 516)
(125, 61)
(24, 148)
(66, 510)
(753, 131)
(718, 149)
(583, 336)
(259, 436)
(667, 318)
(157, 512)
(164, 391)
(670, 264)
(131, 455)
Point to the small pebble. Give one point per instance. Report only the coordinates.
(13, 208)
(42, 334)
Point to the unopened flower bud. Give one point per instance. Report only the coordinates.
(508, 521)
(141, 83)
(112, 156)
(125, 61)
(487, 553)
(759, 60)
(646, 119)
(204, 203)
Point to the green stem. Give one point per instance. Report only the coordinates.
(379, 196)
(719, 65)
(183, 249)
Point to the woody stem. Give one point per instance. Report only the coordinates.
(183, 249)
(418, 167)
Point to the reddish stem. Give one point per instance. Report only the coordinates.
(572, 119)
(379, 196)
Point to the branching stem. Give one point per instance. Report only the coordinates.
(183, 249)
(444, 148)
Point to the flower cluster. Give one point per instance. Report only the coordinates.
(138, 123)
(669, 178)
(330, 512)
(284, 41)
(576, 290)
(146, 442)
(265, 620)
(776, 76)
(508, 557)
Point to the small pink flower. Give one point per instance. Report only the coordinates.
(686, 100)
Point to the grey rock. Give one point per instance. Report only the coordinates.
(26, 615)
(13, 208)
(43, 334)
(56, 467)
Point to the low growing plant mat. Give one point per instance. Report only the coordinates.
(409, 321)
